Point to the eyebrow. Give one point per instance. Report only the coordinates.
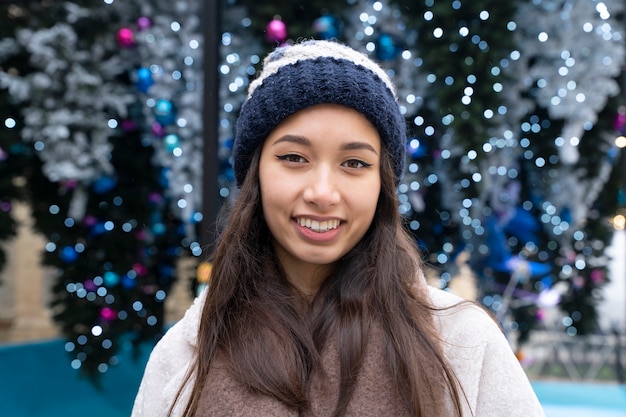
(301, 140)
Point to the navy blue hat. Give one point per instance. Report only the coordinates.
(317, 72)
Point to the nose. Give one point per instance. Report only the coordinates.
(322, 189)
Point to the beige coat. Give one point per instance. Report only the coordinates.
(492, 378)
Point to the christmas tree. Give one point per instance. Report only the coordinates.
(512, 109)
(99, 192)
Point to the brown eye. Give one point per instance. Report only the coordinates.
(291, 157)
(356, 163)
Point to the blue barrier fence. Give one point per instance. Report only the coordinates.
(36, 380)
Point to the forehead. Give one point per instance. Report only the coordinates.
(328, 120)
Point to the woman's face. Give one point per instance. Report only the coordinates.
(320, 181)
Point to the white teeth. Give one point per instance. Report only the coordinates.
(318, 226)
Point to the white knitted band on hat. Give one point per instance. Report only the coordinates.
(291, 54)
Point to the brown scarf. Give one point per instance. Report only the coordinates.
(374, 394)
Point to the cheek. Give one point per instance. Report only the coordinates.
(271, 191)
(274, 200)
(374, 205)
(365, 201)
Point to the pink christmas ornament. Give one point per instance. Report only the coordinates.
(90, 220)
(108, 314)
(541, 314)
(129, 125)
(597, 276)
(143, 23)
(155, 198)
(157, 129)
(140, 269)
(90, 285)
(276, 31)
(125, 37)
(619, 122)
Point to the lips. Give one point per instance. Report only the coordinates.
(317, 225)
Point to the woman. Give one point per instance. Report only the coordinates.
(317, 304)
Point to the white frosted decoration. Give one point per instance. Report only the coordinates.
(17, 87)
(589, 59)
(568, 152)
(575, 66)
(8, 48)
(493, 186)
(417, 201)
(594, 186)
(78, 204)
(166, 52)
(246, 46)
(569, 194)
(408, 79)
(70, 94)
(505, 207)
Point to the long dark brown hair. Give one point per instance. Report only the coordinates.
(251, 308)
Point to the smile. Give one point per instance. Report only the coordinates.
(318, 226)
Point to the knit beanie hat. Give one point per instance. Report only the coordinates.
(316, 72)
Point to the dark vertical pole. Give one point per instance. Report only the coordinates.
(621, 368)
(210, 191)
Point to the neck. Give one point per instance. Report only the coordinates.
(308, 280)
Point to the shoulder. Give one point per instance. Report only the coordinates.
(463, 325)
(490, 375)
(168, 364)
(450, 307)
(183, 334)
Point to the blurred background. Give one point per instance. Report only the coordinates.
(115, 142)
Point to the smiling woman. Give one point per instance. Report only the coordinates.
(317, 304)
(319, 189)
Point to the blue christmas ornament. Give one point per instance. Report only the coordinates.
(613, 155)
(523, 226)
(327, 27)
(104, 184)
(97, 229)
(566, 215)
(158, 229)
(538, 269)
(155, 217)
(174, 251)
(165, 112)
(547, 281)
(229, 174)
(496, 241)
(621, 197)
(128, 282)
(68, 254)
(166, 271)
(196, 217)
(144, 79)
(416, 148)
(171, 142)
(515, 264)
(386, 47)
(164, 178)
(111, 278)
